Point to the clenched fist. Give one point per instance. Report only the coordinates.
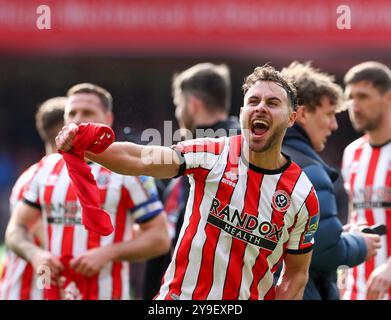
(64, 139)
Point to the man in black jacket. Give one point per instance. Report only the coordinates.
(319, 98)
(202, 98)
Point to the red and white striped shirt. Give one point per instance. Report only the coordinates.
(127, 199)
(366, 171)
(18, 281)
(240, 221)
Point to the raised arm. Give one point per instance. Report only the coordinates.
(127, 158)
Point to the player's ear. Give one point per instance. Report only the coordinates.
(292, 118)
(388, 96)
(109, 118)
(301, 115)
(195, 105)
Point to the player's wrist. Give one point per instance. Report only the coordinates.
(33, 255)
(109, 252)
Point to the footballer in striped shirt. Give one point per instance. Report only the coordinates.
(82, 264)
(250, 207)
(19, 281)
(366, 169)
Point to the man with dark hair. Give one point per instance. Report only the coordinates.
(202, 98)
(319, 98)
(366, 170)
(249, 206)
(18, 281)
(82, 264)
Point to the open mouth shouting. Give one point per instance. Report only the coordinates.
(259, 127)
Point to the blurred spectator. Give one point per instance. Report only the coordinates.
(367, 173)
(19, 282)
(319, 98)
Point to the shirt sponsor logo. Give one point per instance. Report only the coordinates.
(64, 220)
(372, 197)
(64, 213)
(245, 226)
(372, 205)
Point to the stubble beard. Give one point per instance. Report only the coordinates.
(270, 142)
(367, 126)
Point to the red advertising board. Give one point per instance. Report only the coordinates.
(193, 26)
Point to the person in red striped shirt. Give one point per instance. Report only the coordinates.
(366, 169)
(319, 99)
(249, 207)
(82, 264)
(18, 281)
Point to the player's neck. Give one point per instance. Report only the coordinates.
(271, 159)
(381, 134)
(50, 148)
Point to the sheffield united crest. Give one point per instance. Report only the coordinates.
(281, 201)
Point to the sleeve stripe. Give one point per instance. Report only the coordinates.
(149, 201)
(299, 251)
(32, 204)
(157, 205)
(182, 160)
(149, 216)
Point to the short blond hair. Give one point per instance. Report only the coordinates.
(104, 96)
